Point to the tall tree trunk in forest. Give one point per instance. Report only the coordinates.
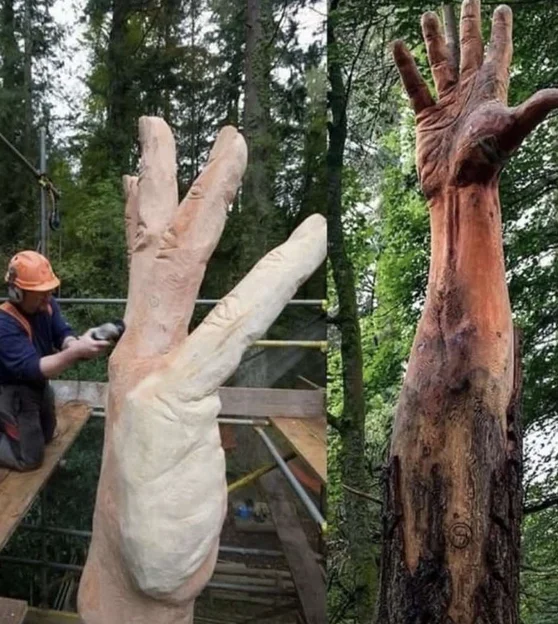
(15, 203)
(170, 18)
(351, 423)
(28, 82)
(257, 189)
(314, 170)
(194, 132)
(453, 496)
(120, 120)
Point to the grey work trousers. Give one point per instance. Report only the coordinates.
(27, 424)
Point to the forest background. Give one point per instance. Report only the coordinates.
(86, 71)
(379, 252)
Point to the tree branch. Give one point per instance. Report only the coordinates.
(353, 490)
(541, 506)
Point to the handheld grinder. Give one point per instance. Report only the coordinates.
(111, 331)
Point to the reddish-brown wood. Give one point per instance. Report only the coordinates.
(453, 505)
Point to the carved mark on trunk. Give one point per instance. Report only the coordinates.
(423, 597)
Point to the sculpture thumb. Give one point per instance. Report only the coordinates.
(528, 116)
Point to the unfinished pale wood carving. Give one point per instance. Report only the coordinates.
(453, 508)
(162, 496)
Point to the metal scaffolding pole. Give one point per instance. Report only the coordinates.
(44, 250)
(99, 412)
(293, 482)
(118, 301)
(70, 567)
(44, 556)
(29, 166)
(256, 474)
(232, 550)
(301, 344)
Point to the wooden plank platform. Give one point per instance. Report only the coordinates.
(305, 570)
(19, 489)
(12, 611)
(247, 402)
(44, 616)
(308, 437)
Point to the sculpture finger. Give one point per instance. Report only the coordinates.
(470, 37)
(499, 55)
(414, 83)
(439, 56)
(157, 197)
(452, 37)
(130, 184)
(171, 469)
(528, 116)
(175, 275)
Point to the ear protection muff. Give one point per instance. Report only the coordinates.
(15, 294)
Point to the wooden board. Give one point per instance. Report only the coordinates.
(305, 570)
(12, 611)
(248, 402)
(270, 402)
(308, 437)
(19, 489)
(45, 616)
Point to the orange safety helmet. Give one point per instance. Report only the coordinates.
(29, 270)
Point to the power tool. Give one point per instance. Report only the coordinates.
(111, 331)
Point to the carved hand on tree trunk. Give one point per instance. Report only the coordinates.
(162, 495)
(467, 135)
(453, 504)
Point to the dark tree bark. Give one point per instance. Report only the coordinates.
(453, 499)
(19, 219)
(256, 204)
(120, 118)
(351, 423)
(257, 190)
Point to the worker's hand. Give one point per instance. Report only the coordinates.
(466, 135)
(87, 348)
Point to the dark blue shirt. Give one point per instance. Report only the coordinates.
(19, 357)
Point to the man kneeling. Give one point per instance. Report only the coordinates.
(36, 344)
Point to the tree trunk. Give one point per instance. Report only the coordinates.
(28, 82)
(454, 491)
(257, 190)
(19, 221)
(162, 495)
(256, 205)
(453, 507)
(352, 421)
(119, 126)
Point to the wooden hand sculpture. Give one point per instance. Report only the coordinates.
(467, 135)
(453, 507)
(162, 496)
